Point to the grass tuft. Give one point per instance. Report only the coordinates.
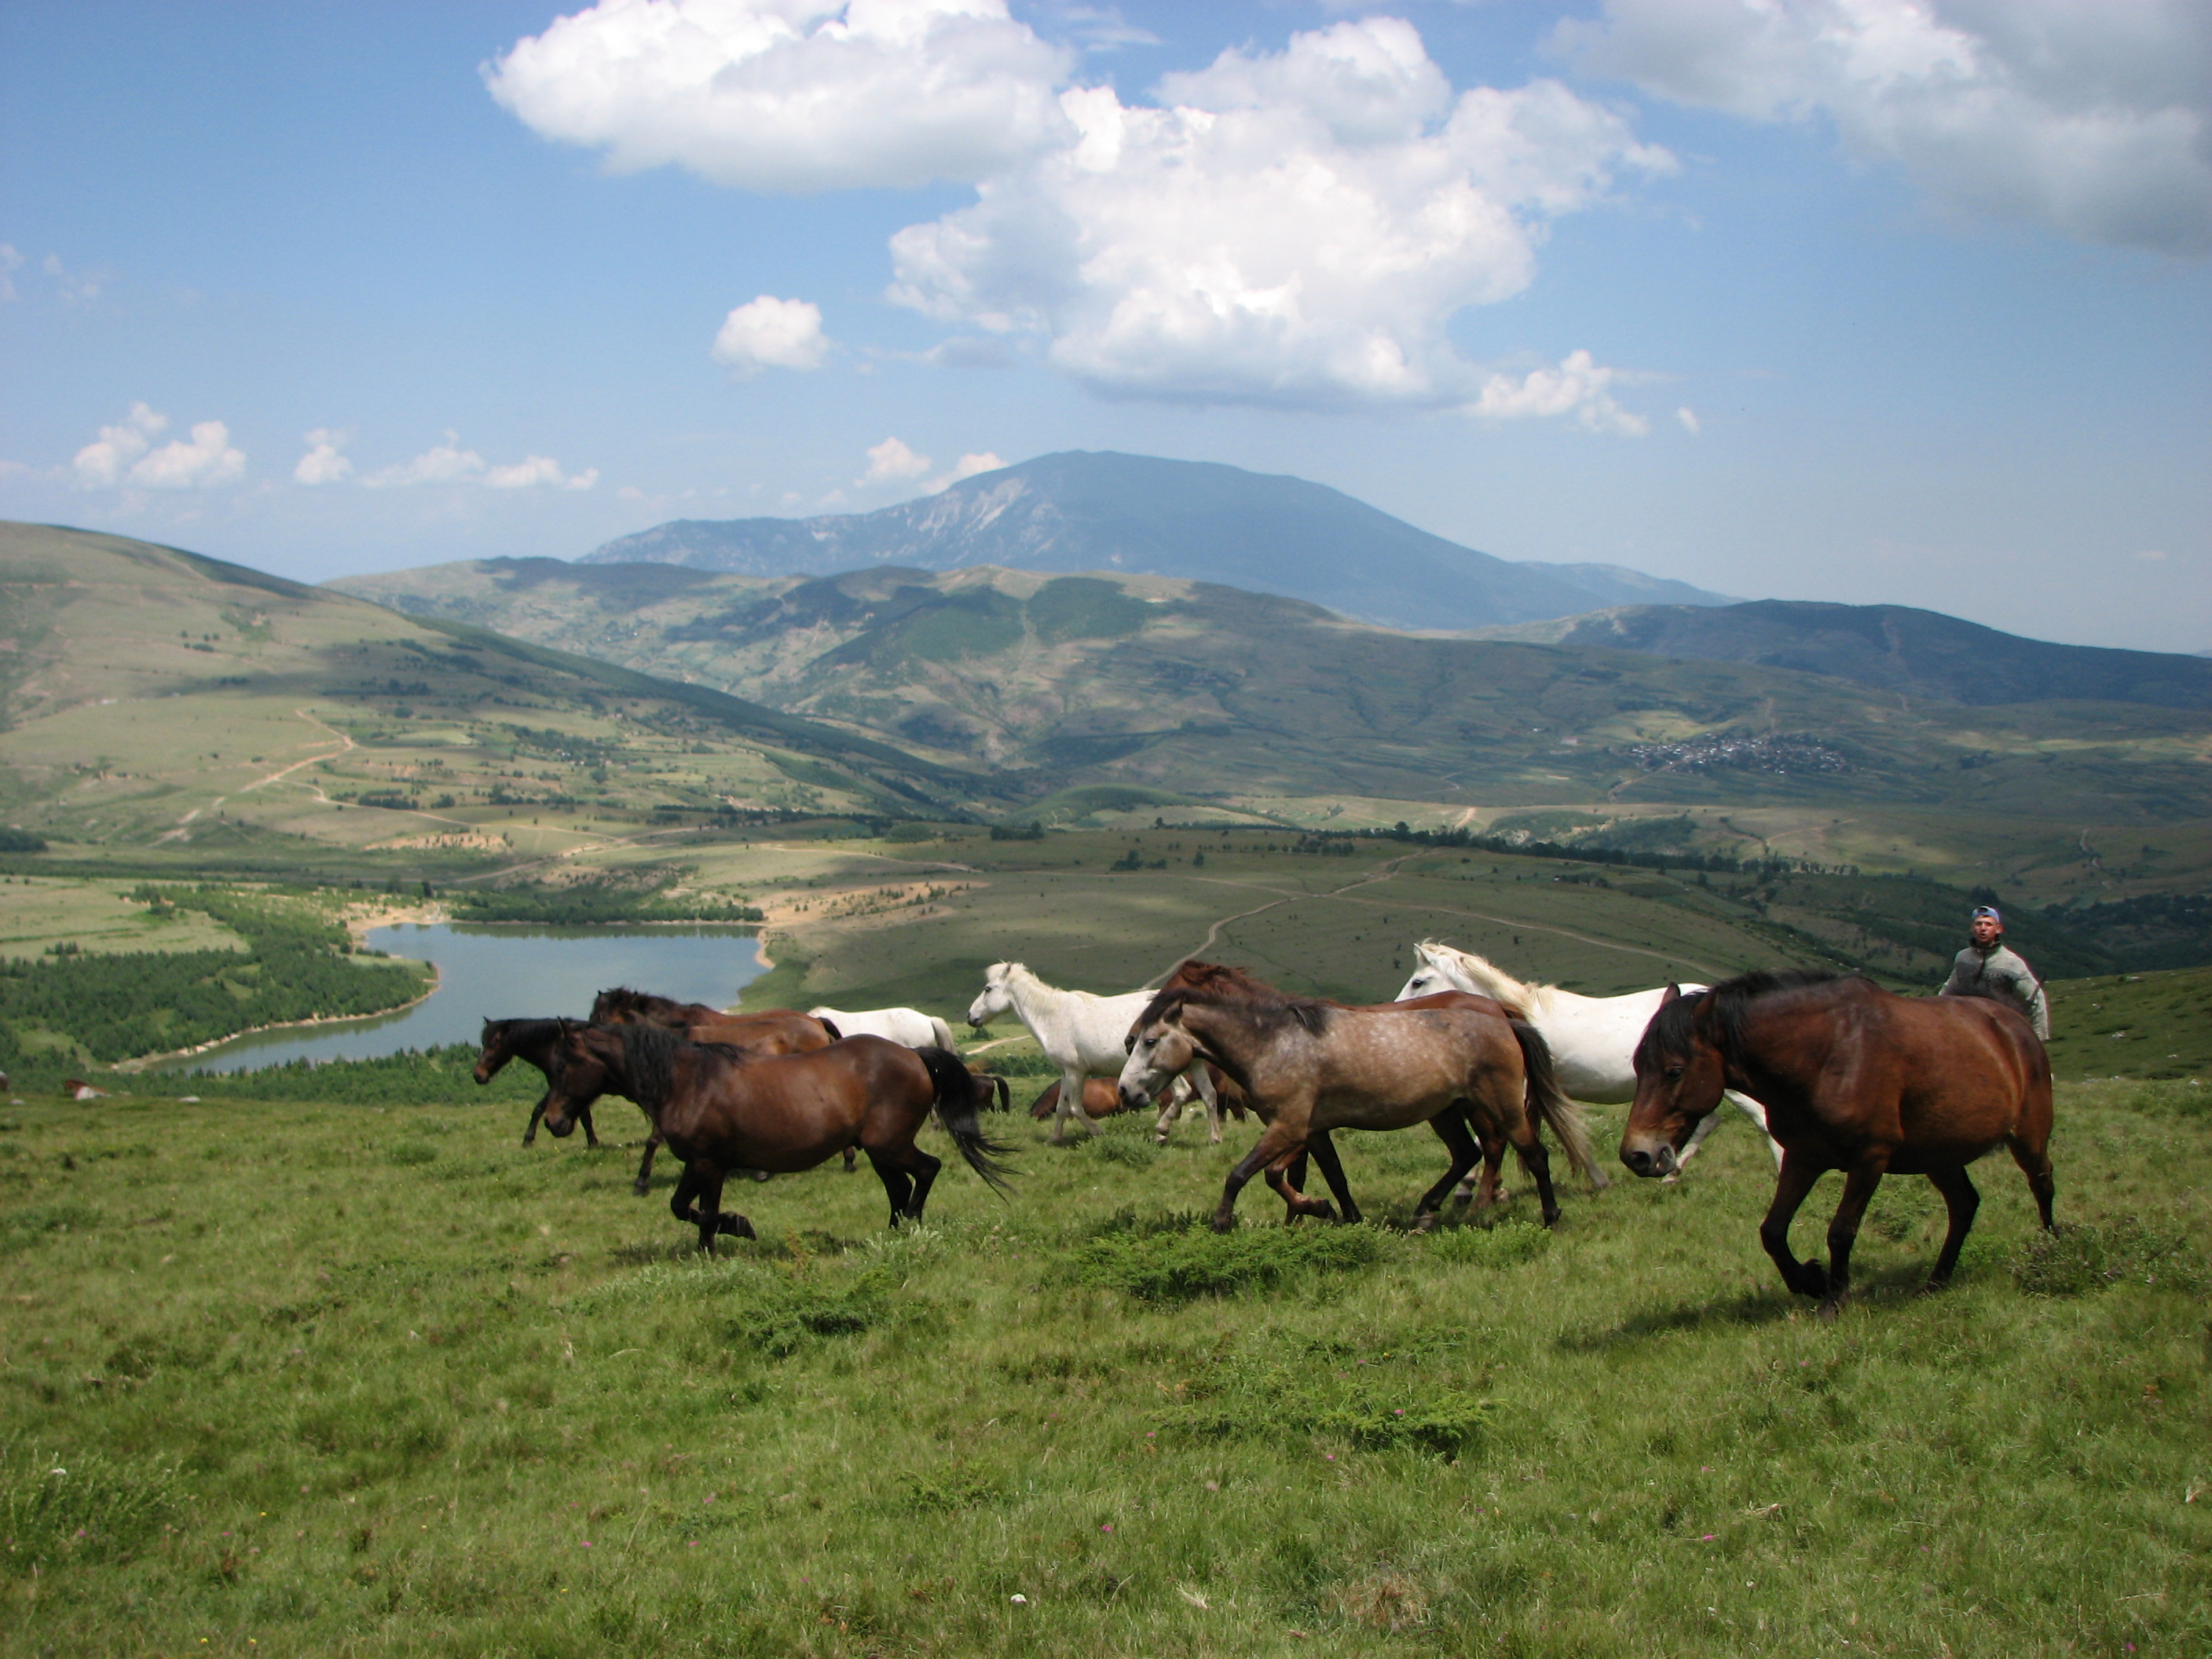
(2084, 1257)
(1508, 1244)
(1175, 1259)
(81, 1506)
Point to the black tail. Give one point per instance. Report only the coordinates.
(955, 1110)
(1549, 1105)
(835, 1036)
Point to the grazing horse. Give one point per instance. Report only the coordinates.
(1310, 1066)
(908, 1025)
(1593, 1039)
(719, 1111)
(1081, 1033)
(1855, 1078)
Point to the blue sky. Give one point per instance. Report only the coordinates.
(1855, 300)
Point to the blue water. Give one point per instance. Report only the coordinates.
(507, 972)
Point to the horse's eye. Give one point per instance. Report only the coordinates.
(1674, 1074)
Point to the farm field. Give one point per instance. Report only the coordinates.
(339, 1379)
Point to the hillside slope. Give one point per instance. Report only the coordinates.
(1144, 515)
(1921, 653)
(153, 696)
(1211, 691)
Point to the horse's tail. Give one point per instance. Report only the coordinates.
(955, 1110)
(943, 1033)
(830, 1026)
(1549, 1105)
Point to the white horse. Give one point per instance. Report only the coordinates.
(1593, 1039)
(1086, 1036)
(908, 1026)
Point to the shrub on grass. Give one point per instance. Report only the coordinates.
(2084, 1257)
(1375, 1409)
(1175, 1259)
(1508, 1244)
(56, 1506)
(787, 1317)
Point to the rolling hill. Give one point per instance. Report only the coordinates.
(1159, 692)
(1143, 515)
(1921, 653)
(153, 697)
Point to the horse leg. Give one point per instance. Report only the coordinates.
(1962, 1200)
(1200, 1081)
(897, 1184)
(2034, 1162)
(1844, 1230)
(643, 1184)
(530, 1132)
(1706, 1125)
(1797, 1178)
(591, 1135)
(1332, 1171)
(1286, 1175)
(1271, 1146)
(1070, 1105)
(925, 1167)
(1170, 1108)
(1453, 1129)
(852, 1159)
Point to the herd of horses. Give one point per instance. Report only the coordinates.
(1837, 1072)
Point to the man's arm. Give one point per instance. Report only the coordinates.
(1960, 984)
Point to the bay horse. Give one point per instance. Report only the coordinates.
(1854, 1078)
(1593, 1039)
(767, 1031)
(719, 1111)
(1081, 1032)
(1310, 1067)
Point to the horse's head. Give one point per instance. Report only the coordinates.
(1160, 1048)
(585, 1063)
(1680, 1078)
(1428, 979)
(492, 1050)
(996, 996)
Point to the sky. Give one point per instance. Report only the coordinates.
(1871, 300)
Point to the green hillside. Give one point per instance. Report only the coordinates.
(1259, 704)
(166, 703)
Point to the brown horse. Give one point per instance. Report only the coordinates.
(1854, 1078)
(1310, 1066)
(719, 1111)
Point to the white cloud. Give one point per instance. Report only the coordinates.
(10, 262)
(968, 465)
(791, 94)
(892, 462)
(1688, 417)
(76, 288)
(771, 333)
(449, 463)
(323, 464)
(2091, 119)
(1291, 229)
(124, 454)
(1578, 386)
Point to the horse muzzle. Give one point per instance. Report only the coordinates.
(559, 1127)
(1651, 1159)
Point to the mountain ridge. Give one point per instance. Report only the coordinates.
(1076, 511)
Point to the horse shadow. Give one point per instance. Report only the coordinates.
(1745, 1309)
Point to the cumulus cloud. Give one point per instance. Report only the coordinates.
(1579, 388)
(449, 463)
(1294, 228)
(892, 462)
(323, 464)
(124, 454)
(2089, 119)
(771, 333)
(968, 466)
(1688, 417)
(791, 95)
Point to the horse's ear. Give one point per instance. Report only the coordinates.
(1673, 993)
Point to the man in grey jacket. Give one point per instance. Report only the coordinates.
(1987, 968)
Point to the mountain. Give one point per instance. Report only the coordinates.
(1140, 514)
(151, 696)
(1921, 653)
(1050, 682)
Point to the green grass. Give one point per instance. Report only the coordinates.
(359, 1380)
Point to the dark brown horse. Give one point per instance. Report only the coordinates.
(1309, 1066)
(1853, 1078)
(720, 1111)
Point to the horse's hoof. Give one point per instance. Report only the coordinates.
(641, 1187)
(1673, 1180)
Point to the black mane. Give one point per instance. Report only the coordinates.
(1675, 1029)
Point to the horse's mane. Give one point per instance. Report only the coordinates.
(621, 999)
(1676, 1026)
(515, 1033)
(649, 1056)
(1520, 991)
(1217, 983)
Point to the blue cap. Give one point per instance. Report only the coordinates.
(1989, 910)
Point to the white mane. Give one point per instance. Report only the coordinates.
(1494, 980)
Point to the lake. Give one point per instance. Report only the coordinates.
(501, 972)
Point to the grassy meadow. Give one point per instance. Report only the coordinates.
(289, 1377)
